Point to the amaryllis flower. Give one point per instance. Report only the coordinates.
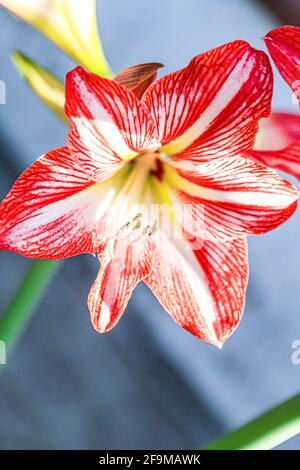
(158, 187)
(278, 142)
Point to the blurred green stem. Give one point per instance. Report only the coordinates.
(25, 300)
(265, 432)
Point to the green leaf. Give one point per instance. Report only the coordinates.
(45, 85)
(265, 432)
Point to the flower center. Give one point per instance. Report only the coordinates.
(131, 218)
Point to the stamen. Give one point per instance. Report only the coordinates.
(145, 231)
(134, 232)
(137, 217)
(137, 190)
(124, 226)
(153, 229)
(137, 225)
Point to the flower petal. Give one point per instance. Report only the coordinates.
(138, 78)
(202, 289)
(287, 160)
(114, 284)
(278, 131)
(54, 210)
(284, 47)
(109, 124)
(212, 107)
(277, 144)
(239, 196)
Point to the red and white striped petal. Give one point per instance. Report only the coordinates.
(284, 47)
(239, 197)
(277, 143)
(108, 122)
(54, 210)
(112, 289)
(287, 160)
(278, 131)
(211, 108)
(202, 289)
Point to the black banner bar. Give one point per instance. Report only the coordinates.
(134, 459)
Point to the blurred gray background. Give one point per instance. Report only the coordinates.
(148, 383)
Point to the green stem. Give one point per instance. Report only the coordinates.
(265, 432)
(25, 300)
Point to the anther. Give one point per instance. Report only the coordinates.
(153, 229)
